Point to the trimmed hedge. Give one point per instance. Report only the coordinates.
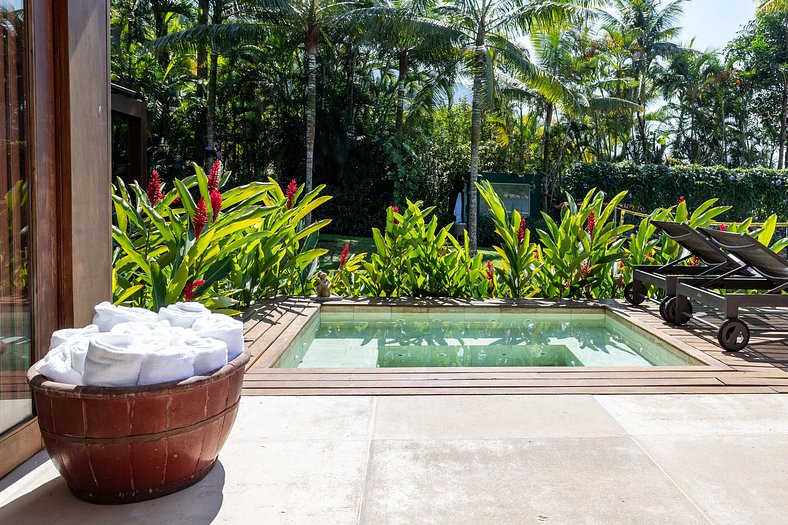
(756, 192)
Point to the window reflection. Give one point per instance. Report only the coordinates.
(15, 328)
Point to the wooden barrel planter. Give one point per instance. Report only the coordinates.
(125, 444)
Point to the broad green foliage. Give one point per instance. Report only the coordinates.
(587, 253)
(580, 252)
(518, 253)
(253, 246)
(414, 258)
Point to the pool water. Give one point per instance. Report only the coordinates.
(342, 340)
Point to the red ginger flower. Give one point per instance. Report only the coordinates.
(216, 203)
(213, 176)
(621, 265)
(585, 269)
(395, 209)
(490, 271)
(292, 188)
(723, 228)
(200, 218)
(521, 232)
(188, 290)
(591, 223)
(682, 199)
(343, 257)
(694, 261)
(154, 188)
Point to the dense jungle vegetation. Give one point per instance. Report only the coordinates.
(388, 100)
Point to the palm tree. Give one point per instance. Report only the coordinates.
(252, 21)
(654, 29)
(780, 6)
(411, 31)
(487, 28)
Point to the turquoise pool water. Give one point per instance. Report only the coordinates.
(369, 340)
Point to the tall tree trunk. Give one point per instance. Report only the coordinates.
(202, 65)
(160, 26)
(548, 121)
(642, 118)
(213, 73)
(476, 131)
(403, 72)
(312, 38)
(783, 117)
(547, 182)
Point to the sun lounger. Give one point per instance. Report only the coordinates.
(770, 276)
(715, 263)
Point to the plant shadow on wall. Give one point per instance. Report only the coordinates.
(223, 248)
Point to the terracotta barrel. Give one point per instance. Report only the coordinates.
(126, 444)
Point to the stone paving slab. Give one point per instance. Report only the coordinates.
(464, 459)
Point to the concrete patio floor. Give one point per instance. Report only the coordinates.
(465, 459)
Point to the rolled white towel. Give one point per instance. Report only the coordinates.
(108, 315)
(114, 360)
(56, 366)
(210, 354)
(183, 314)
(61, 336)
(134, 328)
(162, 365)
(224, 328)
(78, 348)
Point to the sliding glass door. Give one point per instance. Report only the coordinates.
(15, 305)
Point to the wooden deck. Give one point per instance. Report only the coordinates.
(760, 368)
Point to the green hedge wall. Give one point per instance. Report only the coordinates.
(757, 192)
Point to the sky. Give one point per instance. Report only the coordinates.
(714, 23)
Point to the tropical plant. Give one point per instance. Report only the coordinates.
(579, 255)
(170, 246)
(415, 258)
(518, 254)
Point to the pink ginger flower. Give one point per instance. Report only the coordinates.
(154, 188)
(292, 188)
(200, 218)
(343, 257)
(521, 232)
(216, 203)
(213, 176)
(591, 223)
(490, 271)
(188, 290)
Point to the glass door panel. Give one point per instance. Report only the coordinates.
(15, 321)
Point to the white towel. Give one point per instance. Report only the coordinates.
(170, 363)
(210, 354)
(108, 315)
(114, 360)
(77, 347)
(183, 314)
(61, 336)
(223, 328)
(56, 366)
(458, 209)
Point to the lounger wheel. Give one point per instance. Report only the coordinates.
(633, 296)
(733, 335)
(663, 305)
(673, 315)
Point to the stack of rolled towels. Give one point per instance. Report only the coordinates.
(132, 346)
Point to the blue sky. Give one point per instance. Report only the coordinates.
(714, 23)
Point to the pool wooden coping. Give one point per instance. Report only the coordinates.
(272, 325)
